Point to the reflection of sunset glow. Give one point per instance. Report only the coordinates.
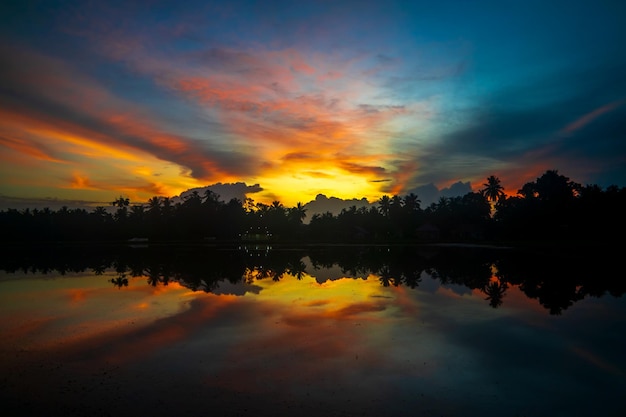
(281, 336)
(595, 360)
(77, 295)
(197, 303)
(334, 298)
(77, 307)
(98, 310)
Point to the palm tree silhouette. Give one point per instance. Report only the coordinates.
(154, 206)
(297, 269)
(386, 278)
(384, 204)
(122, 207)
(154, 277)
(299, 211)
(412, 202)
(493, 190)
(120, 281)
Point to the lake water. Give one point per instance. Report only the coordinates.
(319, 331)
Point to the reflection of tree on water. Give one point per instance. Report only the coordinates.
(462, 267)
(550, 277)
(274, 265)
(387, 278)
(154, 277)
(99, 269)
(120, 281)
(297, 269)
(495, 291)
(556, 281)
(260, 272)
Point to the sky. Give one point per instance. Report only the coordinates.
(290, 100)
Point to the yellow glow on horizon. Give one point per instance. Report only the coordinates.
(99, 168)
(290, 189)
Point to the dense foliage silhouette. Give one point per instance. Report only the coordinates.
(556, 279)
(550, 208)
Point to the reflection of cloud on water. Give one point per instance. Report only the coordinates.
(123, 344)
(26, 332)
(358, 308)
(429, 284)
(457, 289)
(596, 360)
(344, 342)
(80, 306)
(327, 336)
(288, 302)
(516, 352)
(432, 285)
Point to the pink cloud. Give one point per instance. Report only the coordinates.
(587, 118)
(28, 148)
(281, 99)
(78, 110)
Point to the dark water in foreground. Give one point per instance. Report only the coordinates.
(334, 331)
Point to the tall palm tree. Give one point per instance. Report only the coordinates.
(297, 213)
(300, 210)
(396, 204)
(384, 204)
(412, 202)
(443, 204)
(493, 190)
(99, 214)
(121, 202)
(154, 206)
(122, 207)
(137, 212)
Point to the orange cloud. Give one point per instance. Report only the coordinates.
(269, 105)
(26, 147)
(272, 99)
(401, 177)
(81, 182)
(88, 121)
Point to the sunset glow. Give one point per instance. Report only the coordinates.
(305, 99)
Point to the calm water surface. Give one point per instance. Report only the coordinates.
(255, 330)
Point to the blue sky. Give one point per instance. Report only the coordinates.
(295, 99)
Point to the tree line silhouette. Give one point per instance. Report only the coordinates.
(550, 277)
(551, 207)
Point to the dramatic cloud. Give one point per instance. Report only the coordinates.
(304, 100)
